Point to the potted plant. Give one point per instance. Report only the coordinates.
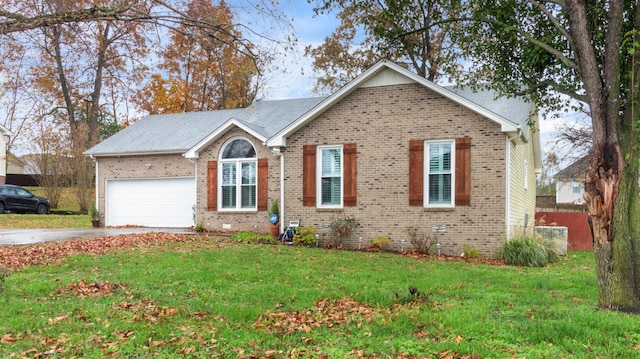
(274, 218)
(95, 215)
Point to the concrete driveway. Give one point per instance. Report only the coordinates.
(29, 236)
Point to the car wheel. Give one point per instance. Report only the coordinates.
(42, 209)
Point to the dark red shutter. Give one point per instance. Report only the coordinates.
(263, 184)
(309, 175)
(463, 171)
(350, 153)
(416, 173)
(212, 185)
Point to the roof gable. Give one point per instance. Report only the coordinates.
(387, 73)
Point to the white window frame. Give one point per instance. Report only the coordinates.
(427, 154)
(319, 155)
(238, 180)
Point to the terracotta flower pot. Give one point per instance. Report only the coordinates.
(274, 229)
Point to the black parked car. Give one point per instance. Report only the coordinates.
(17, 199)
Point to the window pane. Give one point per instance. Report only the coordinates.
(249, 173)
(439, 158)
(331, 191)
(249, 196)
(228, 174)
(331, 162)
(239, 149)
(228, 196)
(439, 189)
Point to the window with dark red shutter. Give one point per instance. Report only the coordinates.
(263, 184)
(309, 175)
(416, 173)
(350, 152)
(463, 171)
(212, 185)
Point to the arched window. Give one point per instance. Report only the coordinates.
(238, 178)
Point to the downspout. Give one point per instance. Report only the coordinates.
(508, 183)
(276, 152)
(507, 197)
(97, 185)
(195, 210)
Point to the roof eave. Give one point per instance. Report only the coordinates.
(129, 154)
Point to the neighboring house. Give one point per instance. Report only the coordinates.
(4, 137)
(390, 148)
(15, 165)
(570, 182)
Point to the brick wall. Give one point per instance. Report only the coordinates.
(244, 220)
(381, 121)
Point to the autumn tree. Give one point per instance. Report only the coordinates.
(371, 29)
(588, 51)
(87, 59)
(200, 72)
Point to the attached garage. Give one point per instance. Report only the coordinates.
(151, 202)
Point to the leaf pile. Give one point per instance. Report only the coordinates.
(19, 256)
(328, 313)
(145, 310)
(82, 289)
(480, 260)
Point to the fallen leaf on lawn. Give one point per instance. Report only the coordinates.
(124, 335)
(57, 319)
(9, 338)
(458, 339)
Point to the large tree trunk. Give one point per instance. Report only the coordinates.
(617, 261)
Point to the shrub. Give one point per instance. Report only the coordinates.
(527, 250)
(305, 236)
(200, 228)
(380, 242)
(421, 240)
(252, 238)
(341, 227)
(470, 252)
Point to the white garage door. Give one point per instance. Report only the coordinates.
(165, 202)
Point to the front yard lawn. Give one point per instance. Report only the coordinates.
(17, 221)
(166, 296)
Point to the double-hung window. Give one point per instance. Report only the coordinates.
(439, 173)
(330, 174)
(238, 178)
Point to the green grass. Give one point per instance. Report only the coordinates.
(67, 203)
(231, 300)
(18, 221)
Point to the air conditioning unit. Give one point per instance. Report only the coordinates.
(558, 235)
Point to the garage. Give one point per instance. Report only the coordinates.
(155, 202)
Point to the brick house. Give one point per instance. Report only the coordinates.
(390, 148)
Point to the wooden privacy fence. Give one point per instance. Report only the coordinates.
(579, 235)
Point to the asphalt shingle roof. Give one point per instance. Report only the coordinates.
(177, 133)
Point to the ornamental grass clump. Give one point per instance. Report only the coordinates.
(341, 227)
(529, 251)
